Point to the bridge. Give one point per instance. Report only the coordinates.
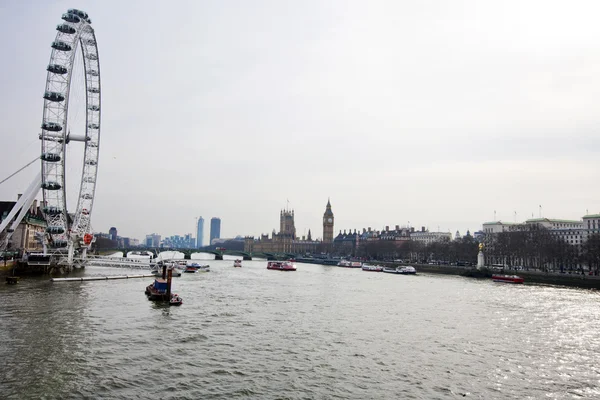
(187, 253)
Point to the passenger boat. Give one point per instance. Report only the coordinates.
(237, 263)
(372, 268)
(349, 264)
(507, 278)
(158, 272)
(281, 265)
(407, 270)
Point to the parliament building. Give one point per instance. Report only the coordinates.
(286, 241)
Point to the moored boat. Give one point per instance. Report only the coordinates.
(237, 263)
(349, 264)
(408, 270)
(372, 268)
(281, 265)
(190, 270)
(204, 268)
(507, 278)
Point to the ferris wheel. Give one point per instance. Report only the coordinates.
(70, 229)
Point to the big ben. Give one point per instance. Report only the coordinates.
(328, 224)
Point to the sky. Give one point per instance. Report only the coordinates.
(431, 113)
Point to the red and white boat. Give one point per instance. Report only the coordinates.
(281, 265)
(507, 278)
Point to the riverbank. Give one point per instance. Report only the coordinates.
(547, 278)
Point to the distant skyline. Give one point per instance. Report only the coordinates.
(438, 113)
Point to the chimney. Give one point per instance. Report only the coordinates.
(34, 207)
(397, 227)
(387, 228)
(369, 229)
(422, 229)
(364, 230)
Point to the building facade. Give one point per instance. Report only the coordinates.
(30, 231)
(283, 242)
(215, 228)
(200, 233)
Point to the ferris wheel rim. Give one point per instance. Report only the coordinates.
(74, 33)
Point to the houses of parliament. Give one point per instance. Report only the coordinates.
(286, 241)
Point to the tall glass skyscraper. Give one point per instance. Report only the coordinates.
(215, 228)
(200, 233)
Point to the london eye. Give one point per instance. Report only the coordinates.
(67, 230)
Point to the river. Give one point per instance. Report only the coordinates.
(321, 332)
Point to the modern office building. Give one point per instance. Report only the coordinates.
(200, 233)
(113, 233)
(215, 228)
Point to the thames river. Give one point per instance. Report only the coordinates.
(321, 332)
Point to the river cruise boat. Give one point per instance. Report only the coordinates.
(507, 278)
(372, 268)
(349, 264)
(281, 265)
(407, 270)
(237, 263)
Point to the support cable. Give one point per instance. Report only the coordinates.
(34, 160)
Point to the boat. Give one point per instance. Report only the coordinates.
(190, 270)
(157, 291)
(507, 278)
(406, 270)
(237, 263)
(175, 300)
(281, 265)
(349, 264)
(203, 268)
(372, 268)
(157, 270)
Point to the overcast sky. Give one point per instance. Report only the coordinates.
(433, 112)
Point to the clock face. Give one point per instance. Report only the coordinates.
(330, 220)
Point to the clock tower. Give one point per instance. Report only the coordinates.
(328, 224)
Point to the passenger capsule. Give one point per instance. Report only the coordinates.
(79, 13)
(55, 230)
(51, 126)
(56, 69)
(54, 96)
(71, 18)
(94, 108)
(51, 157)
(92, 72)
(51, 210)
(92, 56)
(51, 185)
(91, 162)
(94, 90)
(59, 243)
(64, 28)
(93, 126)
(60, 45)
(91, 42)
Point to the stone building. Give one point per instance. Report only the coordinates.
(24, 237)
(283, 242)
